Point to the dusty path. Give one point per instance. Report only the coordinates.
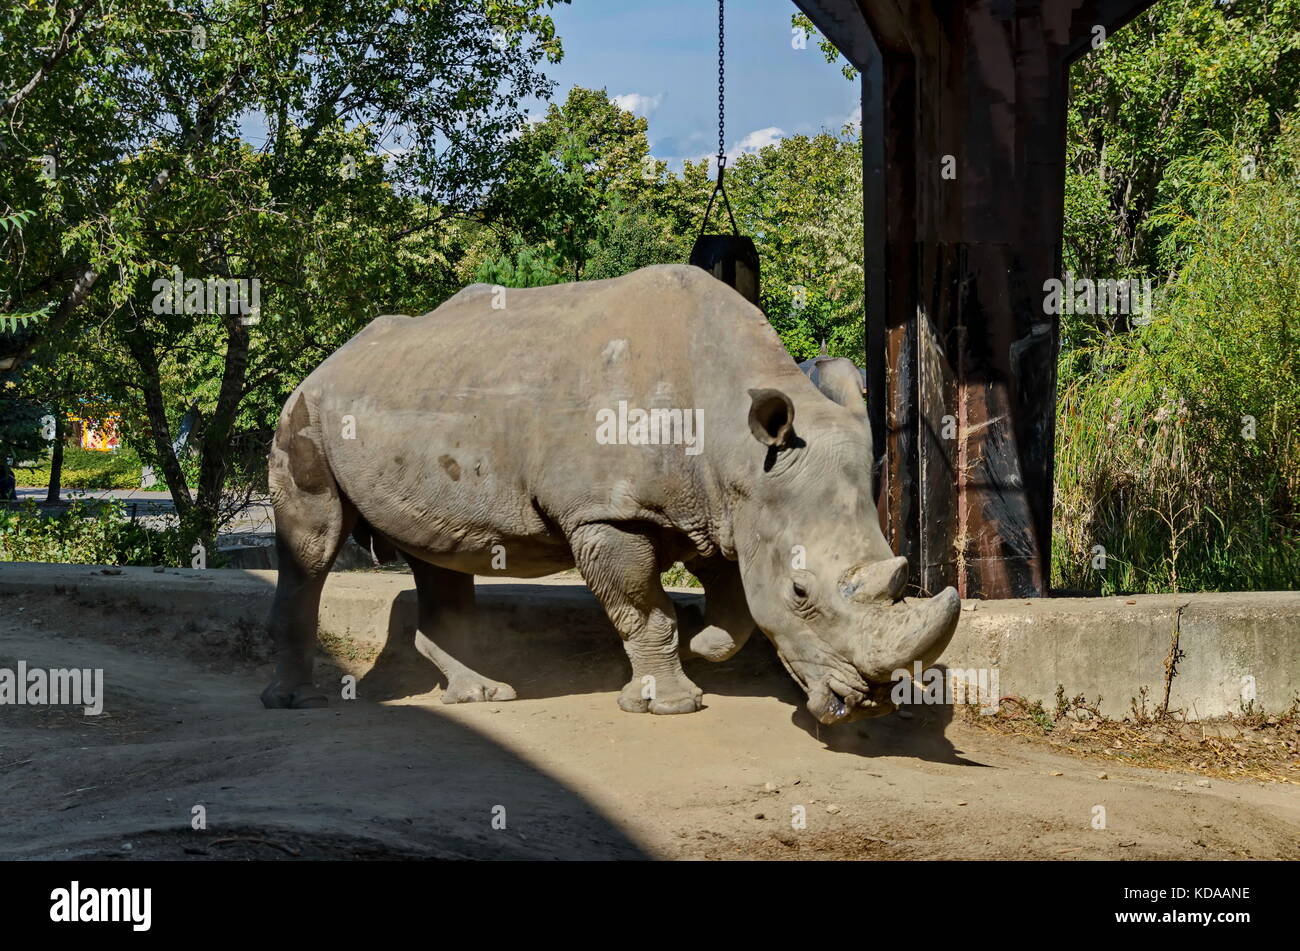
(575, 776)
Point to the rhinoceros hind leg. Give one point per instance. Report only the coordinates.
(622, 570)
(446, 598)
(294, 616)
(312, 519)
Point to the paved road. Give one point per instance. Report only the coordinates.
(258, 517)
(140, 495)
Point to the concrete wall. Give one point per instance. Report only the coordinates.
(1096, 646)
(1114, 646)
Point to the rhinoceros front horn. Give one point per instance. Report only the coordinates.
(875, 581)
(900, 635)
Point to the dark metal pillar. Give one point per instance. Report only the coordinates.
(964, 107)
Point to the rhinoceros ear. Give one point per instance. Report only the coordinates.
(771, 418)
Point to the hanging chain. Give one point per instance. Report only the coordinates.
(722, 111)
(722, 130)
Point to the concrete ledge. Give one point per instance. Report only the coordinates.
(1113, 647)
(1108, 647)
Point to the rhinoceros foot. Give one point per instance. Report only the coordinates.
(715, 644)
(476, 690)
(668, 694)
(302, 697)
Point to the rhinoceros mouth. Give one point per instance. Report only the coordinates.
(834, 696)
(834, 704)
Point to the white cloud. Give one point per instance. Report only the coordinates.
(751, 143)
(757, 139)
(638, 104)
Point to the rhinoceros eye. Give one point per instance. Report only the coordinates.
(800, 591)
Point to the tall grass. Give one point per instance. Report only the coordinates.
(1177, 447)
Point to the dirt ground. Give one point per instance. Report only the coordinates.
(397, 774)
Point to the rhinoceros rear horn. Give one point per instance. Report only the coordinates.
(771, 418)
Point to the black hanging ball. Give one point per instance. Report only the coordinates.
(732, 259)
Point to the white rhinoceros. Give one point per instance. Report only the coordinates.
(618, 426)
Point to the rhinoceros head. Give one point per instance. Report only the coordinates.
(820, 579)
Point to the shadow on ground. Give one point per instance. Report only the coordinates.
(184, 736)
(575, 650)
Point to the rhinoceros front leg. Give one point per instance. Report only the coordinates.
(622, 570)
(728, 623)
(446, 602)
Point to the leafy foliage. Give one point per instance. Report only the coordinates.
(1177, 450)
(1146, 99)
(801, 200)
(97, 533)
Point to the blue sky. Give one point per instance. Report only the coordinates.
(664, 53)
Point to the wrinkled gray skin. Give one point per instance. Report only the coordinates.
(475, 426)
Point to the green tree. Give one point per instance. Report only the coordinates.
(631, 238)
(1150, 95)
(565, 172)
(124, 121)
(801, 23)
(20, 414)
(800, 200)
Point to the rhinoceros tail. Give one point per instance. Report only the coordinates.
(375, 543)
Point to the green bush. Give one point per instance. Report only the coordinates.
(97, 533)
